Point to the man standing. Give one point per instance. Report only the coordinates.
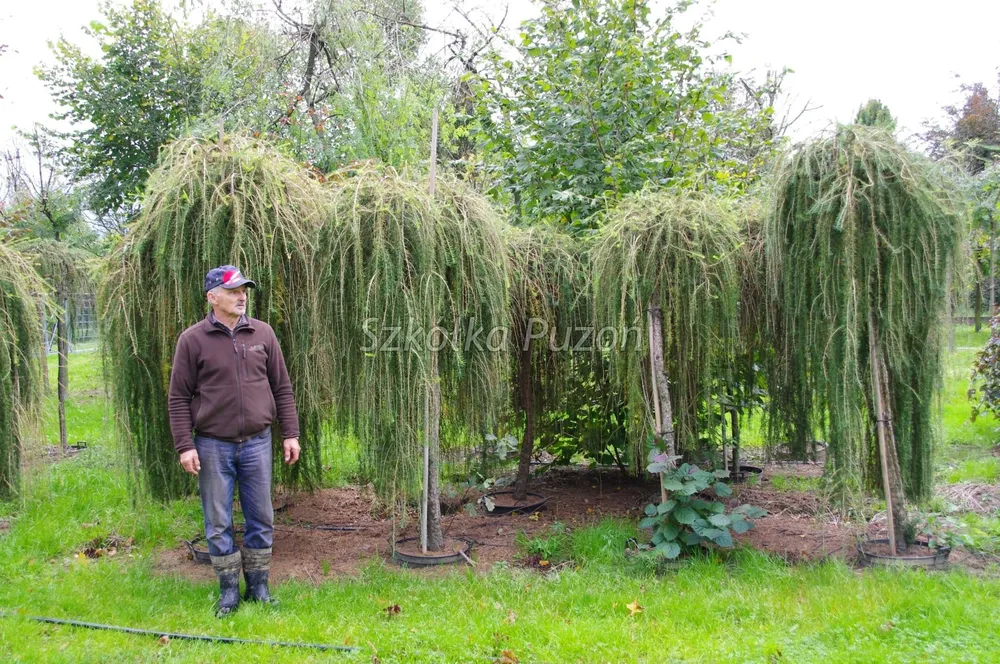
(228, 384)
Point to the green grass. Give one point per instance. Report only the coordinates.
(87, 416)
(967, 337)
(956, 409)
(984, 471)
(740, 607)
(796, 483)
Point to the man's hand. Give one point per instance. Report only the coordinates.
(190, 462)
(291, 450)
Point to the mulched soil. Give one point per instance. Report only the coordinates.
(798, 527)
(972, 497)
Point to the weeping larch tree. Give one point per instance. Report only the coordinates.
(664, 275)
(408, 279)
(20, 362)
(745, 392)
(549, 298)
(211, 202)
(860, 237)
(66, 271)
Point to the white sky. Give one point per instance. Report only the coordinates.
(912, 54)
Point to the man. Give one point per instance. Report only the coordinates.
(228, 384)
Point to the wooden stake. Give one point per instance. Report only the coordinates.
(874, 361)
(430, 428)
(426, 473)
(657, 412)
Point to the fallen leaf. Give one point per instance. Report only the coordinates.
(535, 516)
(506, 657)
(543, 563)
(634, 607)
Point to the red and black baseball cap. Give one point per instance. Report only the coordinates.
(227, 276)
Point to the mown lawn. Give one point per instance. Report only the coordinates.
(741, 607)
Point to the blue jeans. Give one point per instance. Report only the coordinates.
(223, 465)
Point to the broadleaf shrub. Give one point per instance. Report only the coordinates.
(985, 387)
(688, 519)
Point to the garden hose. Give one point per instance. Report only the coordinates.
(188, 637)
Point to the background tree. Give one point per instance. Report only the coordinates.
(875, 114)
(972, 130)
(44, 210)
(331, 83)
(601, 99)
(124, 105)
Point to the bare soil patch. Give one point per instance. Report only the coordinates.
(797, 527)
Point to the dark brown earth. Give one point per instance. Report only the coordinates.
(798, 527)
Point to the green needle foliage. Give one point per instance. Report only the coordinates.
(679, 251)
(549, 299)
(67, 269)
(20, 361)
(209, 203)
(858, 227)
(394, 265)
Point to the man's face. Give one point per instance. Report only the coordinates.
(229, 302)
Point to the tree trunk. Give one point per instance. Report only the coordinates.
(435, 538)
(951, 309)
(661, 384)
(63, 346)
(993, 283)
(979, 301)
(735, 419)
(663, 415)
(46, 387)
(891, 480)
(525, 385)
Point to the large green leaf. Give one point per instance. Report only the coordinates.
(663, 508)
(723, 539)
(740, 525)
(649, 521)
(685, 515)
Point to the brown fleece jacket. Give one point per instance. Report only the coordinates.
(229, 384)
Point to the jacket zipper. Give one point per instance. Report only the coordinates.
(239, 386)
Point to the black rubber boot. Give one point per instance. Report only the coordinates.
(257, 569)
(227, 568)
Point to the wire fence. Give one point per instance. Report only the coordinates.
(83, 332)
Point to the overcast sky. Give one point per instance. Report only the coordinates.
(912, 54)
